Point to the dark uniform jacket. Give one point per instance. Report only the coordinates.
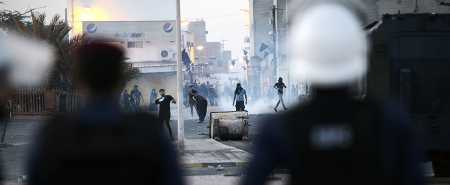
(334, 139)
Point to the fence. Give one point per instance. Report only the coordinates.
(44, 101)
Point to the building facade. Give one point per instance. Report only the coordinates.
(269, 32)
(150, 47)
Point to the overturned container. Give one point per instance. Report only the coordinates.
(229, 125)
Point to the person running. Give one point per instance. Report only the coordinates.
(280, 86)
(240, 98)
(164, 109)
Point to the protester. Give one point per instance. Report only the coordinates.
(240, 97)
(201, 105)
(280, 86)
(164, 109)
(335, 138)
(191, 99)
(99, 144)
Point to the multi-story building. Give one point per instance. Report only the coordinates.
(150, 47)
(207, 56)
(269, 32)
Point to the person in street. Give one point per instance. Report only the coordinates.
(164, 109)
(240, 98)
(201, 105)
(280, 86)
(136, 97)
(153, 96)
(100, 144)
(210, 96)
(126, 101)
(335, 138)
(191, 99)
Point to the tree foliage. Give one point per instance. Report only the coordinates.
(55, 32)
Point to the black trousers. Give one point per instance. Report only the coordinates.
(240, 106)
(166, 122)
(201, 111)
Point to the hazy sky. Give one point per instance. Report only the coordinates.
(225, 19)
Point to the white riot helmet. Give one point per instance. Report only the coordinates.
(328, 46)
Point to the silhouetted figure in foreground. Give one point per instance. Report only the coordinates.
(101, 145)
(335, 138)
(164, 109)
(201, 105)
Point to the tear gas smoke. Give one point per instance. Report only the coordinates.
(28, 60)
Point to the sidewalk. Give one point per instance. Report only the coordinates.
(201, 153)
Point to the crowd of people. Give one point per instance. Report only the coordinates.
(206, 90)
(333, 139)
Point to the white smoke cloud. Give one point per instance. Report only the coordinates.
(28, 60)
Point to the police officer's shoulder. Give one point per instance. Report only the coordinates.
(392, 114)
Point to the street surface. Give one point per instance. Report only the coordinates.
(20, 136)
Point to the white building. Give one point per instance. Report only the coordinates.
(150, 47)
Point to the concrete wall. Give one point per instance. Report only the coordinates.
(153, 37)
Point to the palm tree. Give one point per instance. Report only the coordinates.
(56, 32)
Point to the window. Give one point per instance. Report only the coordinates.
(135, 44)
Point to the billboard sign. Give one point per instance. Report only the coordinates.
(145, 41)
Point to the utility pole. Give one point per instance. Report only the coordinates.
(179, 79)
(275, 37)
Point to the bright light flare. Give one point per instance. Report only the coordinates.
(87, 14)
(200, 48)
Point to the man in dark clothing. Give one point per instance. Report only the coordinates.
(240, 98)
(280, 86)
(100, 144)
(335, 138)
(164, 109)
(201, 105)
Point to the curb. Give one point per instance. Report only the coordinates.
(223, 164)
